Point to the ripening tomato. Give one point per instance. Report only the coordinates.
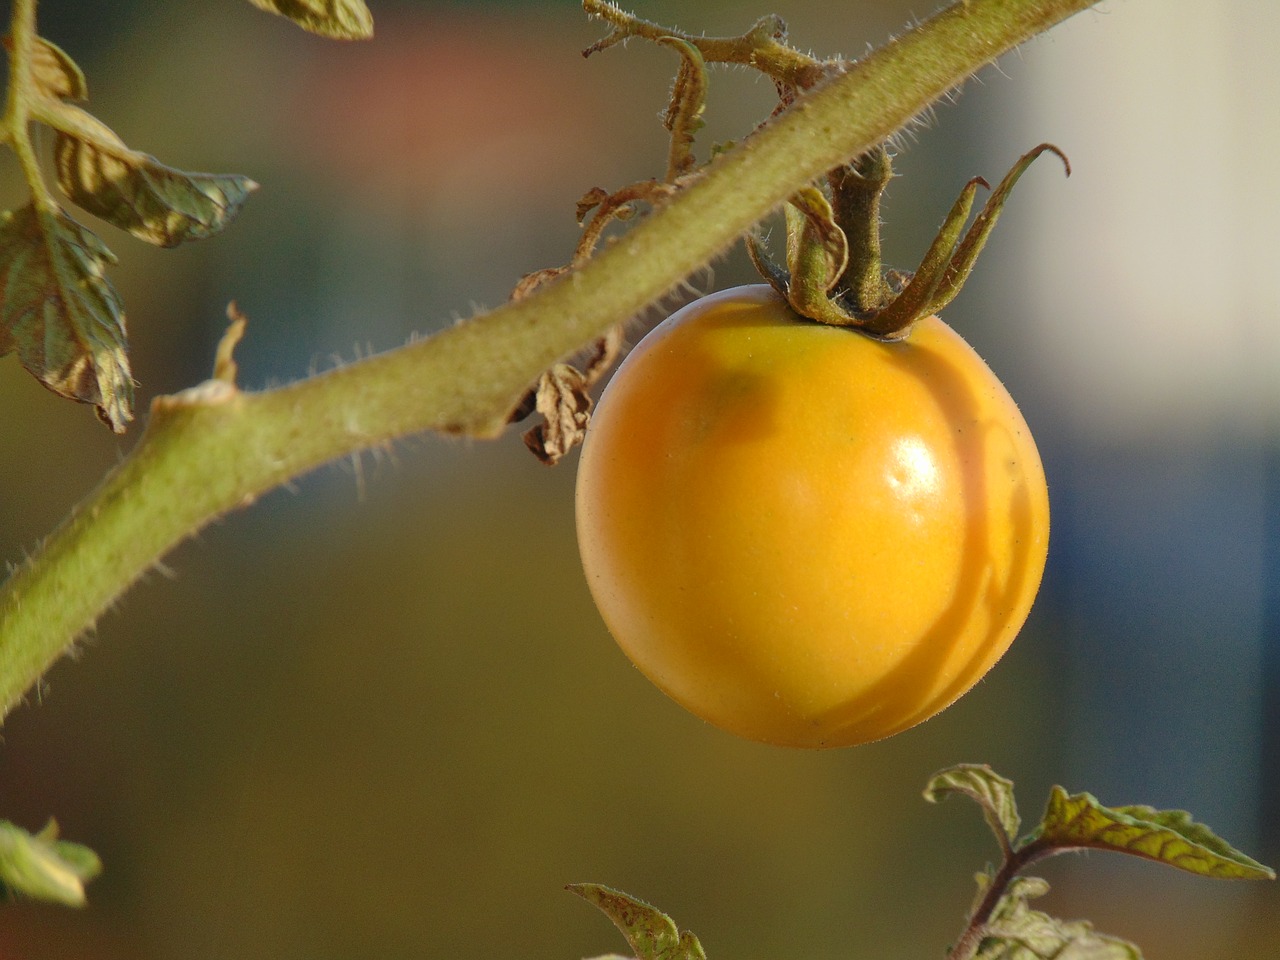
(804, 535)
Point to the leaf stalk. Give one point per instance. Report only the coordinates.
(20, 45)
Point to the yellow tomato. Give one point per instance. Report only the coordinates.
(804, 535)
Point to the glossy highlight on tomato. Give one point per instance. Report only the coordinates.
(804, 535)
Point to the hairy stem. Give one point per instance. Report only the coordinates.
(1015, 861)
(761, 47)
(213, 448)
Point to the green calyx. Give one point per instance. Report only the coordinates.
(834, 273)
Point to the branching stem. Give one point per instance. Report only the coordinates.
(760, 47)
(214, 448)
(1015, 861)
(20, 45)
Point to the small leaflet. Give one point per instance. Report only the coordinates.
(1017, 932)
(1166, 836)
(337, 19)
(650, 932)
(136, 192)
(42, 867)
(984, 787)
(60, 314)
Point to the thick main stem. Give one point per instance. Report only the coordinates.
(204, 454)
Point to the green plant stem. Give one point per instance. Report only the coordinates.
(1015, 861)
(213, 448)
(17, 109)
(759, 47)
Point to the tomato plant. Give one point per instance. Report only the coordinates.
(803, 534)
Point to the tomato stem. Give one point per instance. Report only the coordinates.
(763, 47)
(883, 305)
(1013, 863)
(856, 189)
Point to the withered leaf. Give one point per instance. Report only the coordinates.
(59, 312)
(137, 192)
(563, 399)
(339, 19)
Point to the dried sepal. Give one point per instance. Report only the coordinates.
(811, 252)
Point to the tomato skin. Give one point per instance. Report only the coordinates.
(803, 535)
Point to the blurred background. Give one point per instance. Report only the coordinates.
(376, 715)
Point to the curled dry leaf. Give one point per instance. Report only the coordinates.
(563, 398)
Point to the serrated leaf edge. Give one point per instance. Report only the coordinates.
(1212, 856)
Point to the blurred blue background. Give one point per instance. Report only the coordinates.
(376, 715)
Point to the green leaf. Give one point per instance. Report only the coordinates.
(339, 19)
(61, 314)
(650, 932)
(992, 792)
(137, 192)
(1167, 836)
(43, 867)
(55, 74)
(1017, 932)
